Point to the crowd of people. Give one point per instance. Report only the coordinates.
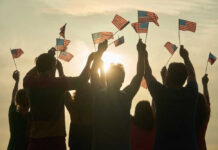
(99, 110)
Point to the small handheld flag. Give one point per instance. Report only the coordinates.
(185, 25)
(119, 41)
(101, 36)
(140, 27)
(66, 56)
(120, 22)
(170, 47)
(62, 31)
(146, 16)
(60, 44)
(211, 58)
(144, 83)
(66, 43)
(16, 52)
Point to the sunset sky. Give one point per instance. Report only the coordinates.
(33, 25)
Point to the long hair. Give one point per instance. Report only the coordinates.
(144, 116)
(203, 111)
(21, 100)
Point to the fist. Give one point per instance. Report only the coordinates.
(16, 75)
(205, 79)
(183, 52)
(141, 46)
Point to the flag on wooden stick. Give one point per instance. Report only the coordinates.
(16, 52)
(146, 16)
(211, 58)
(140, 27)
(185, 25)
(170, 47)
(120, 22)
(119, 41)
(66, 56)
(62, 31)
(101, 36)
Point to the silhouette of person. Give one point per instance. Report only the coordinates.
(143, 128)
(45, 93)
(111, 106)
(175, 105)
(18, 117)
(203, 114)
(80, 109)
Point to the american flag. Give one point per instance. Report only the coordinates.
(66, 43)
(140, 27)
(99, 37)
(146, 16)
(66, 56)
(16, 52)
(120, 22)
(119, 41)
(170, 47)
(144, 83)
(62, 31)
(60, 44)
(211, 58)
(185, 25)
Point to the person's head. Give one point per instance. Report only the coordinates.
(203, 111)
(144, 116)
(115, 76)
(46, 63)
(176, 75)
(21, 101)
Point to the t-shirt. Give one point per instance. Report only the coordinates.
(141, 139)
(111, 124)
(47, 104)
(175, 116)
(18, 129)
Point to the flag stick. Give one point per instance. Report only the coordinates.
(206, 68)
(169, 60)
(116, 32)
(146, 37)
(139, 36)
(179, 37)
(14, 61)
(110, 43)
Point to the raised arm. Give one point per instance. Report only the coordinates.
(16, 77)
(189, 67)
(163, 75)
(85, 74)
(205, 81)
(148, 72)
(133, 87)
(95, 79)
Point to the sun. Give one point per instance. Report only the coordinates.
(110, 57)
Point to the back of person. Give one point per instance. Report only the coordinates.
(175, 114)
(111, 121)
(47, 108)
(18, 129)
(143, 129)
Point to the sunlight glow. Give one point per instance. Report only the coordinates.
(109, 57)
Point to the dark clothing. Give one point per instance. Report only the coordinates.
(80, 137)
(141, 139)
(112, 120)
(47, 104)
(51, 143)
(18, 128)
(175, 116)
(201, 131)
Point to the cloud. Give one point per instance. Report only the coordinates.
(90, 7)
